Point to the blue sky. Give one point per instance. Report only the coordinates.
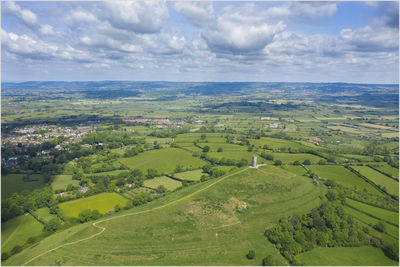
(201, 41)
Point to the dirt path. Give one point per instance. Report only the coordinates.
(130, 214)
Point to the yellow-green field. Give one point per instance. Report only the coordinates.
(168, 183)
(102, 202)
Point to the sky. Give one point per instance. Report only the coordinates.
(355, 42)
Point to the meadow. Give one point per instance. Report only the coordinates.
(14, 183)
(389, 170)
(61, 182)
(168, 183)
(164, 160)
(342, 176)
(44, 214)
(383, 214)
(292, 157)
(368, 256)
(202, 228)
(102, 202)
(194, 175)
(18, 230)
(391, 185)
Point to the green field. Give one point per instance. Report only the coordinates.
(13, 183)
(168, 183)
(389, 170)
(17, 231)
(102, 202)
(387, 215)
(390, 229)
(236, 155)
(274, 143)
(342, 176)
(62, 181)
(368, 256)
(391, 185)
(291, 157)
(44, 214)
(194, 175)
(164, 160)
(197, 229)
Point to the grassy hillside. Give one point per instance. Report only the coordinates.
(345, 256)
(202, 228)
(18, 230)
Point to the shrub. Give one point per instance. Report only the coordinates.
(380, 226)
(52, 225)
(270, 261)
(277, 162)
(16, 249)
(307, 162)
(296, 163)
(251, 254)
(4, 256)
(392, 250)
(220, 149)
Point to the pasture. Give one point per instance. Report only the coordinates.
(389, 170)
(367, 255)
(102, 202)
(386, 215)
(274, 143)
(289, 158)
(61, 182)
(391, 185)
(168, 183)
(18, 230)
(205, 228)
(342, 176)
(299, 170)
(164, 160)
(194, 175)
(44, 214)
(14, 183)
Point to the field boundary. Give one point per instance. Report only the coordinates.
(384, 173)
(370, 215)
(131, 214)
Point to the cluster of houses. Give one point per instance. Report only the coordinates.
(155, 121)
(37, 134)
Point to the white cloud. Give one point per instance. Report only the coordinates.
(133, 16)
(199, 13)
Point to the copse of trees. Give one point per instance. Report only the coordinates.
(326, 226)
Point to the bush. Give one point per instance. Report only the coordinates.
(392, 250)
(52, 225)
(307, 162)
(204, 178)
(270, 261)
(220, 149)
(296, 163)
(251, 254)
(4, 256)
(16, 249)
(278, 162)
(380, 226)
(206, 149)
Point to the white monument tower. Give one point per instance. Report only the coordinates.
(254, 162)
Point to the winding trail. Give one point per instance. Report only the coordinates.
(130, 214)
